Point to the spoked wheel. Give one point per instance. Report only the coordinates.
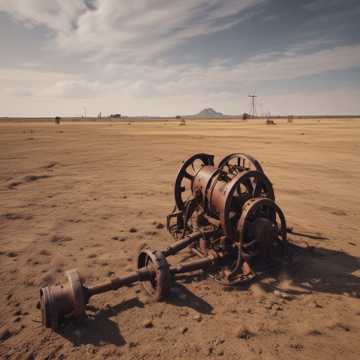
(246, 185)
(235, 163)
(160, 283)
(262, 230)
(186, 175)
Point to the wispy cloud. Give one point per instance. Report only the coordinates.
(131, 29)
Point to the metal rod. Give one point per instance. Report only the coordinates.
(143, 274)
(182, 244)
(192, 265)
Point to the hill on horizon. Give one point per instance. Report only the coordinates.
(209, 112)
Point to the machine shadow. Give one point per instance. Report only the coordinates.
(182, 297)
(315, 269)
(312, 269)
(97, 328)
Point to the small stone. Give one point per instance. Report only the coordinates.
(208, 350)
(197, 317)
(218, 341)
(184, 313)
(183, 329)
(148, 323)
(220, 352)
(160, 226)
(283, 295)
(5, 334)
(133, 230)
(244, 333)
(315, 333)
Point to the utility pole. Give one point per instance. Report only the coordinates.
(253, 107)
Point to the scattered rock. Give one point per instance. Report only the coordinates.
(60, 239)
(317, 305)
(133, 344)
(132, 230)
(297, 347)
(183, 330)
(220, 352)
(315, 332)
(147, 323)
(14, 184)
(218, 341)
(11, 254)
(283, 295)
(45, 252)
(160, 225)
(151, 233)
(339, 213)
(5, 334)
(197, 317)
(50, 165)
(32, 178)
(244, 333)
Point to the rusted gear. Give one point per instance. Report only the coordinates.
(246, 185)
(261, 228)
(186, 173)
(158, 286)
(238, 162)
(56, 301)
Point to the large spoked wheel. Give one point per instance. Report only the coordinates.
(186, 175)
(235, 163)
(262, 230)
(246, 185)
(159, 284)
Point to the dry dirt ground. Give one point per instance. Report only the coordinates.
(70, 194)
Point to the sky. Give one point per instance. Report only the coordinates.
(171, 57)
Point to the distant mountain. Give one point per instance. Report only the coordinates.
(208, 113)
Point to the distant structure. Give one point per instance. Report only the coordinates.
(245, 116)
(57, 120)
(99, 116)
(253, 105)
(115, 116)
(209, 113)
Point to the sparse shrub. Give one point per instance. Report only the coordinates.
(270, 122)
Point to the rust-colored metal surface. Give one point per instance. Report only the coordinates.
(226, 215)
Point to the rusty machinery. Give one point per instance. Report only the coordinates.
(225, 215)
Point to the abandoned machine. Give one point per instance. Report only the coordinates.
(225, 215)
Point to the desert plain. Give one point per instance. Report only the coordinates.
(88, 195)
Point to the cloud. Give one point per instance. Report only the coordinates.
(131, 29)
(160, 89)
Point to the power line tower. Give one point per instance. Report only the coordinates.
(253, 105)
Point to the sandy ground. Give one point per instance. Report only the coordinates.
(70, 194)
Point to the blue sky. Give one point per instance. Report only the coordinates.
(162, 57)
